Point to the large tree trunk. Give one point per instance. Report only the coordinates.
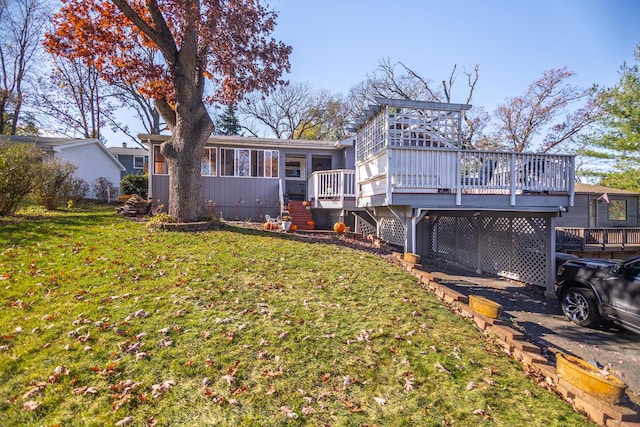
(183, 153)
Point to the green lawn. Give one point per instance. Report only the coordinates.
(104, 322)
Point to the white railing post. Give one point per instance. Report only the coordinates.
(512, 180)
(458, 174)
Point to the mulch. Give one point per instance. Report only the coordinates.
(348, 239)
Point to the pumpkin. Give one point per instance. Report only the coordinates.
(311, 223)
(338, 227)
(266, 226)
(293, 227)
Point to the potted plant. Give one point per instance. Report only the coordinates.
(286, 222)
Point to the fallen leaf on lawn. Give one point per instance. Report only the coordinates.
(482, 413)
(528, 393)
(267, 373)
(30, 405)
(490, 381)
(165, 342)
(308, 410)
(409, 383)
(141, 355)
(228, 378)
(37, 387)
(347, 380)
(288, 412)
(151, 422)
(125, 421)
(157, 390)
(442, 368)
(85, 390)
(380, 401)
(471, 385)
(270, 390)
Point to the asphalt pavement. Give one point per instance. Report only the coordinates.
(527, 309)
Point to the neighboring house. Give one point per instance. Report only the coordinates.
(604, 222)
(135, 160)
(91, 157)
(403, 179)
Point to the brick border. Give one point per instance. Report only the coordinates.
(514, 344)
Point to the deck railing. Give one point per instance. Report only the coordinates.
(585, 239)
(479, 172)
(336, 184)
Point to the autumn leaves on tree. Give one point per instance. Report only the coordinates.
(225, 42)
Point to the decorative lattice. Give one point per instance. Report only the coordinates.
(509, 247)
(391, 230)
(496, 246)
(364, 227)
(529, 244)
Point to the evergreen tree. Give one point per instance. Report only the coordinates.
(620, 139)
(227, 123)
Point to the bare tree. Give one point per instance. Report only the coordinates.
(21, 24)
(134, 99)
(77, 98)
(142, 106)
(399, 81)
(294, 111)
(550, 108)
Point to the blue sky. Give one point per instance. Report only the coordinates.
(337, 42)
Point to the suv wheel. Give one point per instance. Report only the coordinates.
(580, 306)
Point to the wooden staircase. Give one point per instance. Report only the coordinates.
(300, 215)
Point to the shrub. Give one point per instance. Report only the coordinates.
(54, 176)
(135, 184)
(104, 189)
(74, 189)
(19, 168)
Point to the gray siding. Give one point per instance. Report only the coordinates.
(577, 215)
(589, 212)
(233, 198)
(127, 162)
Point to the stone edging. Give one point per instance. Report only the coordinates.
(514, 344)
(187, 226)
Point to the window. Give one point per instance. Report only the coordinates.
(617, 210)
(208, 163)
(250, 163)
(159, 164)
(138, 162)
(295, 167)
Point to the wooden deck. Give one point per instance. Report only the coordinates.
(597, 239)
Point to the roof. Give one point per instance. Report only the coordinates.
(44, 142)
(253, 141)
(125, 151)
(601, 189)
(56, 144)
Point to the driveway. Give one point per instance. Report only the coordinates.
(541, 319)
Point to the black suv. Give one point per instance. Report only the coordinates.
(592, 290)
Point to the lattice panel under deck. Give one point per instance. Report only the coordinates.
(392, 230)
(496, 246)
(443, 239)
(529, 258)
(509, 247)
(467, 237)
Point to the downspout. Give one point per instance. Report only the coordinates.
(151, 167)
